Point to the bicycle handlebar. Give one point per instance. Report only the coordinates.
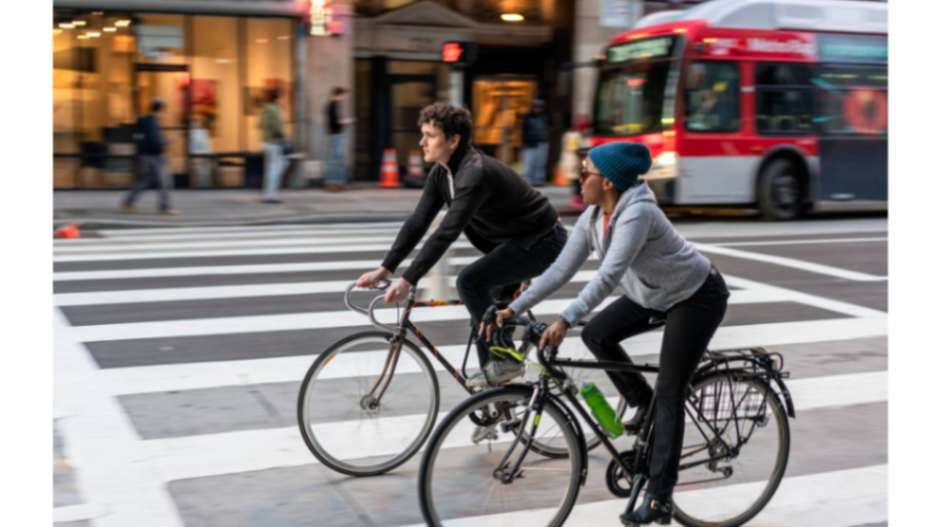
(370, 310)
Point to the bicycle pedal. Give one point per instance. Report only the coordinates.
(483, 433)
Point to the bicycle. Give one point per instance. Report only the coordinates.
(349, 390)
(732, 395)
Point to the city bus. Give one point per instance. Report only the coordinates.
(775, 104)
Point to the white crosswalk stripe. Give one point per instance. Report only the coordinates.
(216, 454)
(86, 394)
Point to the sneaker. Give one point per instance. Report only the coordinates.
(634, 423)
(128, 208)
(169, 212)
(498, 371)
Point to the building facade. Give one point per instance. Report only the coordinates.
(210, 61)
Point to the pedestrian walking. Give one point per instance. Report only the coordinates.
(336, 158)
(151, 163)
(272, 135)
(574, 143)
(535, 144)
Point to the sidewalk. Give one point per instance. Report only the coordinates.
(100, 209)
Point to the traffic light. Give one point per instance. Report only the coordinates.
(458, 52)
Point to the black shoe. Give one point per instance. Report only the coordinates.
(634, 423)
(652, 510)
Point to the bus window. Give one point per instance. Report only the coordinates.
(632, 100)
(783, 99)
(712, 97)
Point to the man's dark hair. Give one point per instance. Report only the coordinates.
(451, 119)
(339, 90)
(156, 106)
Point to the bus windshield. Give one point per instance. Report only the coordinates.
(633, 96)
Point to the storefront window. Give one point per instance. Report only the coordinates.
(268, 52)
(498, 106)
(215, 100)
(92, 111)
(210, 72)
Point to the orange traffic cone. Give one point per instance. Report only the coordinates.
(67, 231)
(559, 178)
(389, 170)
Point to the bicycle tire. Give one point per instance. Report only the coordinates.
(734, 379)
(521, 394)
(425, 419)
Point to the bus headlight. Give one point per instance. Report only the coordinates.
(664, 166)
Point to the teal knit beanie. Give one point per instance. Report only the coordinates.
(622, 162)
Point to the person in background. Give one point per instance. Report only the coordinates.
(535, 144)
(574, 141)
(336, 160)
(272, 135)
(151, 163)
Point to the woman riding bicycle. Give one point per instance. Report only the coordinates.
(662, 275)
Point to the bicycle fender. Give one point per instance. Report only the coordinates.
(569, 415)
(787, 399)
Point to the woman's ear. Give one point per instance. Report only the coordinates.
(607, 185)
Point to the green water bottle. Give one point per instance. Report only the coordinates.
(601, 409)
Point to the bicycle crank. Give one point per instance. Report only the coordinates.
(620, 481)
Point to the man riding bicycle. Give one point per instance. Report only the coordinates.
(500, 213)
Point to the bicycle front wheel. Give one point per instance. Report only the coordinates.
(349, 422)
(735, 450)
(462, 475)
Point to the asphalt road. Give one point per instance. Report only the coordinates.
(178, 356)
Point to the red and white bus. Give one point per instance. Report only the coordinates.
(778, 104)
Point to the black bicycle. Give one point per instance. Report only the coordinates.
(380, 388)
(737, 409)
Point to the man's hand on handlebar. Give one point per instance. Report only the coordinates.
(398, 291)
(501, 316)
(372, 278)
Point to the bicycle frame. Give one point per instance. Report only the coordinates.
(761, 364)
(400, 332)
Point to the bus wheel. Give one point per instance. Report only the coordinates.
(780, 195)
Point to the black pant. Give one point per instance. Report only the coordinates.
(497, 274)
(689, 326)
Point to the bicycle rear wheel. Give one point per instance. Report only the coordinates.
(345, 426)
(734, 453)
(459, 478)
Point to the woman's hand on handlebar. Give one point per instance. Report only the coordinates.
(372, 278)
(554, 335)
(501, 316)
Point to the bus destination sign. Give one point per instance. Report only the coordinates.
(643, 49)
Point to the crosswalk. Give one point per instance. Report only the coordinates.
(179, 352)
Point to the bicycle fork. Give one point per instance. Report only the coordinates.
(372, 399)
(508, 476)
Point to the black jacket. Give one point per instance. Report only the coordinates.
(148, 137)
(491, 205)
(534, 129)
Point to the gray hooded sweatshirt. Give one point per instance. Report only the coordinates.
(642, 252)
